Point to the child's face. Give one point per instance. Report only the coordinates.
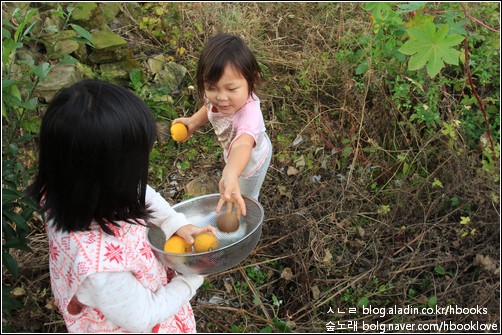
(230, 93)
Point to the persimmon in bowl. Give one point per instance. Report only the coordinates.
(233, 247)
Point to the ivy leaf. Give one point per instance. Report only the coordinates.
(431, 48)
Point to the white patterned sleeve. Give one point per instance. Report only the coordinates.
(125, 302)
(163, 215)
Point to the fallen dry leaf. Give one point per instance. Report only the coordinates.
(287, 274)
(361, 231)
(228, 286)
(328, 258)
(487, 263)
(292, 171)
(316, 293)
(18, 291)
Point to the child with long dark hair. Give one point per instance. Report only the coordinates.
(94, 145)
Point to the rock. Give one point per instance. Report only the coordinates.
(85, 70)
(115, 72)
(84, 11)
(156, 63)
(28, 56)
(110, 10)
(49, 27)
(108, 47)
(202, 185)
(105, 38)
(134, 9)
(9, 7)
(61, 43)
(88, 15)
(108, 56)
(171, 76)
(163, 131)
(81, 53)
(60, 77)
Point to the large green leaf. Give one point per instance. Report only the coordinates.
(431, 48)
(10, 263)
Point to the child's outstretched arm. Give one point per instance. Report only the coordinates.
(238, 158)
(163, 215)
(194, 122)
(170, 221)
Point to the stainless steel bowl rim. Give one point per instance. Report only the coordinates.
(196, 254)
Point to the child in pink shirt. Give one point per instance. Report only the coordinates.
(95, 141)
(227, 76)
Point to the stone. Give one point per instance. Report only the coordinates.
(115, 72)
(156, 63)
(171, 76)
(202, 185)
(108, 56)
(83, 11)
(134, 9)
(60, 77)
(163, 131)
(105, 38)
(85, 70)
(110, 10)
(61, 43)
(108, 47)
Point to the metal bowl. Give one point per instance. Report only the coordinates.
(234, 247)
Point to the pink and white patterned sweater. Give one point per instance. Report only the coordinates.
(77, 256)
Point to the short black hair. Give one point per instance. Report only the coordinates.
(94, 147)
(225, 49)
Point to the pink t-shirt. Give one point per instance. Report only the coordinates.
(247, 120)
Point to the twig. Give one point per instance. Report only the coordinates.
(481, 23)
(256, 295)
(471, 83)
(356, 151)
(54, 322)
(234, 269)
(480, 102)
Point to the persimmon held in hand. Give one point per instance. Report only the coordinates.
(228, 222)
(179, 132)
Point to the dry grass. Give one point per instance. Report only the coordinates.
(329, 240)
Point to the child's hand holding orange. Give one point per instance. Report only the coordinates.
(189, 231)
(182, 128)
(179, 132)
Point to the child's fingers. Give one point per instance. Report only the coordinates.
(241, 205)
(230, 205)
(220, 204)
(188, 237)
(210, 229)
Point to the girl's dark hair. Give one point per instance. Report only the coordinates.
(221, 50)
(94, 145)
